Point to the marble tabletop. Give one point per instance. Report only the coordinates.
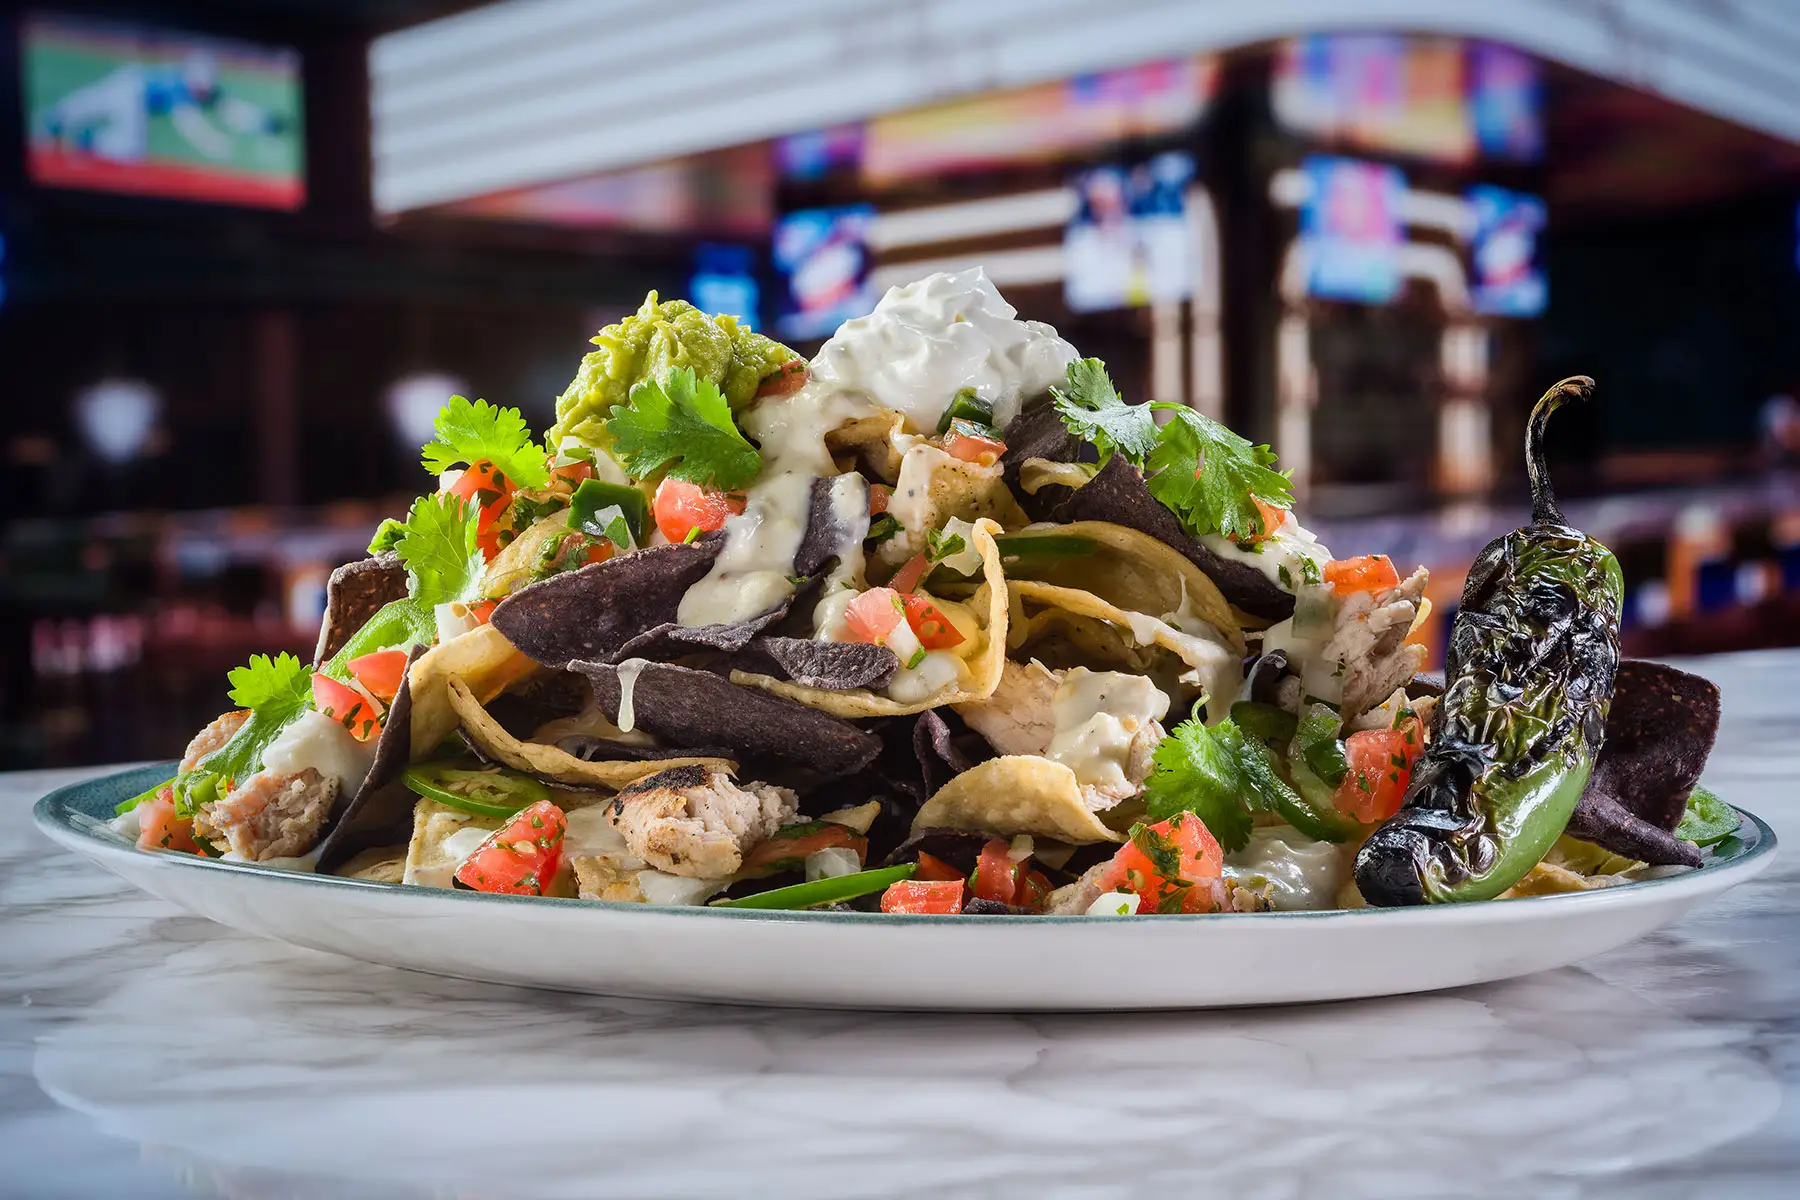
(148, 1053)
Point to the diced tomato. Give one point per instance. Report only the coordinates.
(1034, 891)
(933, 627)
(983, 451)
(682, 507)
(522, 858)
(160, 829)
(381, 672)
(997, 875)
(344, 705)
(574, 472)
(1162, 863)
(788, 848)
(880, 494)
(599, 550)
(1381, 763)
(789, 378)
(489, 490)
(1272, 519)
(872, 616)
(933, 869)
(1368, 573)
(928, 896)
(907, 577)
(482, 611)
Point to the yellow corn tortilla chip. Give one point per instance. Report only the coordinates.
(1219, 667)
(483, 658)
(428, 862)
(933, 487)
(1014, 794)
(1130, 571)
(1060, 638)
(1548, 879)
(378, 864)
(984, 665)
(873, 440)
(541, 759)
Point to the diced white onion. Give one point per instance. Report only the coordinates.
(1114, 904)
(831, 863)
(453, 620)
(1022, 848)
(659, 887)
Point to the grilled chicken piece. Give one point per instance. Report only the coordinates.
(1370, 640)
(270, 816)
(1017, 718)
(698, 822)
(212, 737)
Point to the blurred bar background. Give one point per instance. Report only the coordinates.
(247, 249)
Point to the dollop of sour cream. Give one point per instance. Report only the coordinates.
(313, 739)
(928, 339)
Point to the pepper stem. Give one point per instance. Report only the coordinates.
(1544, 509)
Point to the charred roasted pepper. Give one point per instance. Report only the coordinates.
(1529, 679)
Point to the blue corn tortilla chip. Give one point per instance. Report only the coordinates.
(826, 535)
(1659, 734)
(838, 666)
(590, 614)
(1119, 495)
(380, 812)
(685, 707)
(598, 749)
(1040, 433)
(356, 592)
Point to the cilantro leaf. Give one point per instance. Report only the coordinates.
(469, 432)
(387, 535)
(275, 690)
(1195, 771)
(1093, 410)
(1211, 478)
(438, 548)
(270, 682)
(941, 545)
(682, 423)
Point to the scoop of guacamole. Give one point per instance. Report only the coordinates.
(660, 337)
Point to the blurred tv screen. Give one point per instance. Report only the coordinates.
(726, 192)
(1040, 123)
(1130, 242)
(1351, 229)
(1508, 279)
(1430, 97)
(147, 111)
(822, 255)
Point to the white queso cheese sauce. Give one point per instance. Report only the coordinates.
(1097, 715)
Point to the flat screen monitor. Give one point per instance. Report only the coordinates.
(1351, 229)
(1130, 242)
(822, 255)
(1425, 96)
(1508, 275)
(151, 112)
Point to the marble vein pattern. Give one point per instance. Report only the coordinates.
(144, 1052)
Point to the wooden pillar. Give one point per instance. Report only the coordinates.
(277, 409)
